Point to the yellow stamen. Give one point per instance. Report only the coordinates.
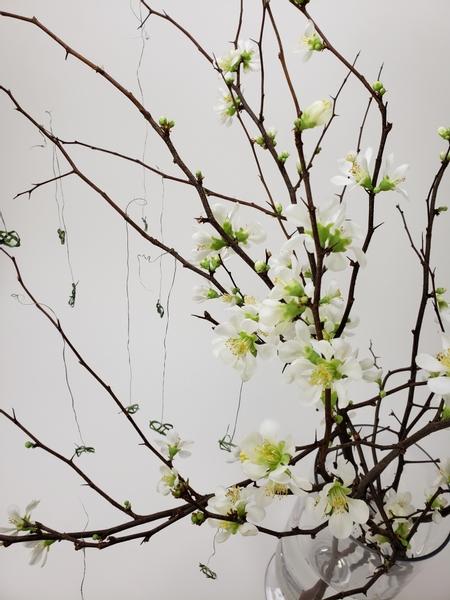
(444, 358)
(321, 376)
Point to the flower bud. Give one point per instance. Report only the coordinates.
(319, 113)
(30, 445)
(283, 157)
(379, 88)
(165, 124)
(197, 518)
(261, 267)
(444, 133)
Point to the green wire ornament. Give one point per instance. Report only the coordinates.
(10, 239)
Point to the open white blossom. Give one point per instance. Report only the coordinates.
(336, 233)
(20, 523)
(245, 55)
(214, 245)
(226, 106)
(438, 368)
(228, 62)
(262, 457)
(169, 482)
(171, 445)
(318, 365)
(39, 552)
(356, 170)
(236, 345)
(249, 55)
(234, 502)
(334, 502)
(309, 43)
(391, 179)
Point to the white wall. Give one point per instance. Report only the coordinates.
(201, 395)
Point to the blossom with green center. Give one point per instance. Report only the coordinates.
(171, 445)
(249, 56)
(236, 345)
(391, 180)
(169, 482)
(262, 456)
(227, 106)
(210, 245)
(334, 502)
(204, 293)
(356, 170)
(320, 365)
(228, 63)
(336, 233)
(245, 55)
(309, 43)
(234, 503)
(20, 523)
(438, 368)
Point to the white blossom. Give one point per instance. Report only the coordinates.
(39, 552)
(309, 43)
(391, 179)
(318, 365)
(438, 368)
(226, 106)
(334, 502)
(20, 523)
(262, 457)
(356, 170)
(169, 482)
(336, 233)
(171, 445)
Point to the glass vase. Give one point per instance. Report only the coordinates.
(306, 568)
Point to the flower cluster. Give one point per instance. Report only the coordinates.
(336, 233)
(214, 249)
(24, 523)
(355, 168)
(234, 503)
(245, 55)
(263, 458)
(399, 510)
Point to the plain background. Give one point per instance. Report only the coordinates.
(117, 270)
